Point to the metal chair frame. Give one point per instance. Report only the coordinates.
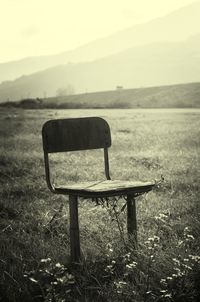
(64, 135)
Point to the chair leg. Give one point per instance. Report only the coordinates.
(74, 229)
(131, 218)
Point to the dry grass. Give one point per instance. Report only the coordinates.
(146, 145)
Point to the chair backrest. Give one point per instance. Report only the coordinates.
(75, 134)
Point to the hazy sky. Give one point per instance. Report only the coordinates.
(36, 27)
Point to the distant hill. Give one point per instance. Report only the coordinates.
(174, 27)
(173, 96)
(154, 64)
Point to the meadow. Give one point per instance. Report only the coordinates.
(147, 144)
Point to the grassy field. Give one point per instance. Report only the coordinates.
(34, 223)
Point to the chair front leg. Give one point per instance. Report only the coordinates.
(131, 218)
(74, 229)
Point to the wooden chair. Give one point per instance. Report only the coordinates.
(88, 133)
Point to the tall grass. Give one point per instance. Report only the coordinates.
(34, 227)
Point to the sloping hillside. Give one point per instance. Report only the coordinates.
(174, 96)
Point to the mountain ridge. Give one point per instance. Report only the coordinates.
(177, 25)
(153, 64)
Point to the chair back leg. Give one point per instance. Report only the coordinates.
(74, 229)
(131, 218)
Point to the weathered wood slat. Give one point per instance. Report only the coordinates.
(76, 134)
(107, 185)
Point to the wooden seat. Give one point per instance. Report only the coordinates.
(88, 133)
(106, 188)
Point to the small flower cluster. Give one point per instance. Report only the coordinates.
(195, 259)
(125, 291)
(130, 265)
(53, 279)
(161, 217)
(120, 286)
(152, 245)
(122, 272)
(109, 253)
(152, 242)
(180, 280)
(188, 237)
(111, 267)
